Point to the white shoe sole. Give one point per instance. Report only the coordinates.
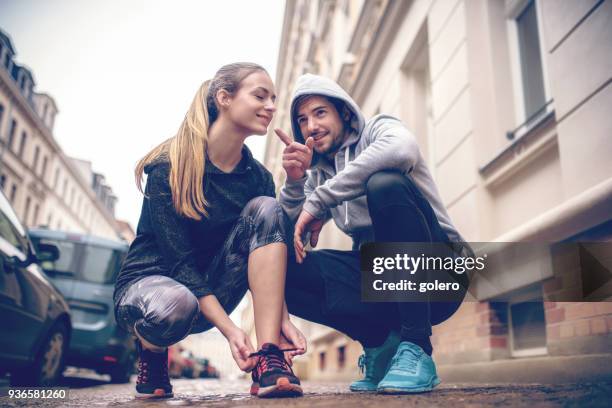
(282, 388)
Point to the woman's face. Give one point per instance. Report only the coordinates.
(252, 107)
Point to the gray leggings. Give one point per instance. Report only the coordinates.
(164, 311)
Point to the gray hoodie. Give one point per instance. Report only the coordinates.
(337, 190)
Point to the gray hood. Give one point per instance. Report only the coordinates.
(309, 84)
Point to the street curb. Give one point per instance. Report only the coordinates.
(543, 370)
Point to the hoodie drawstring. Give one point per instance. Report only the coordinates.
(346, 161)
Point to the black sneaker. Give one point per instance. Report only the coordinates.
(153, 380)
(272, 376)
(255, 384)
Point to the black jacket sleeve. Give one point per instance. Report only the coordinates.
(171, 232)
(270, 189)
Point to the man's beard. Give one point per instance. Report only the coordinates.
(334, 148)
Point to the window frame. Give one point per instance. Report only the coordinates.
(513, 10)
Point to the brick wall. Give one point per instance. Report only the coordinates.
(578, 327)
(479, 331)
(476, 332)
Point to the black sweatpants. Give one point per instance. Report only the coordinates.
(326, 287)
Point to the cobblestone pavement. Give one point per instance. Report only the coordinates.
(94, 392)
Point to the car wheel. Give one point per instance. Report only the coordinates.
(49, 364)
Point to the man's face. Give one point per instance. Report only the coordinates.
(319, 119)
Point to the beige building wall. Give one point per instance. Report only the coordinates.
(46, 187)
(451, 70)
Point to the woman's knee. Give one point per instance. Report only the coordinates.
(268, 219)
(169, 315)
(262, 207)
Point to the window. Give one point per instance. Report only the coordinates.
(341, 357)
(100, 265)
(531, 60)
(35, 160)
(13, 194)
(49, 220)
(64, 187)
(56, 178)
(322, 361)
(26, 210)
(2, 181)
(35, 217)
(9, 232)
(11, 135)
(416, 107)
(1, 116)
(22, 143)
(69, 258)
(529, 73)
(528, 327)
(83, 262)
(43, 171)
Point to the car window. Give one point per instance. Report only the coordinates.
(100, 264)
(10, 234)
(67, 262)
(83, 261)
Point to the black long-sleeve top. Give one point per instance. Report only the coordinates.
(169, 244)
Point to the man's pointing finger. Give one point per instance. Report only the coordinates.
(283, 136)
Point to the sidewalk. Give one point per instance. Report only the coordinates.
(219, 393)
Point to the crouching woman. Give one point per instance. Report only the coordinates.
(209, 230)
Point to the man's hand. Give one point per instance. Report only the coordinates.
(296, 156)
(241, 347)
(305, 223)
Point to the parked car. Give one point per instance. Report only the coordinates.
(193, 368)
(36, 322)
(208, 370)
(85, 273)
(176, 362)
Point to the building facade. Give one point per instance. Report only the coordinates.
(46, 187)
(510, 102)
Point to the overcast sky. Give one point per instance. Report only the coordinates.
(123, 73)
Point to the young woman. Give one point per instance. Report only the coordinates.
(210, 228)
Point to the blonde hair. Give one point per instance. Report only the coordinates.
(186, 151)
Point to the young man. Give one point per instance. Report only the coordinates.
(371, 179)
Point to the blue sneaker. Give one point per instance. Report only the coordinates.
(412, 370)
(375, 361)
